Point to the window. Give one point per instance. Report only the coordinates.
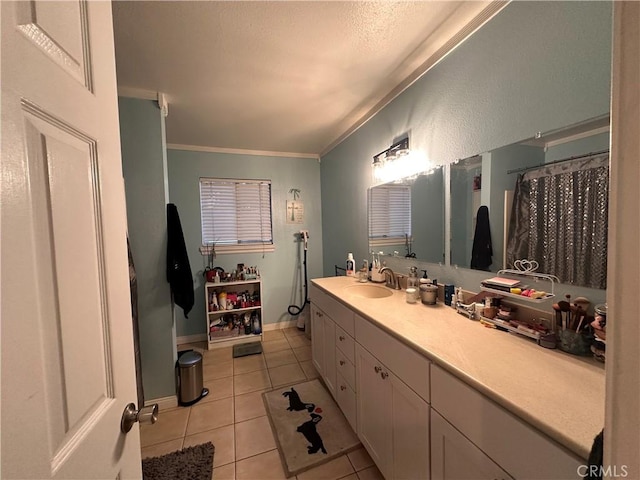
(236, 215)
(389, 214)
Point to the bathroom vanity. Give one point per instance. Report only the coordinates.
(432, 394)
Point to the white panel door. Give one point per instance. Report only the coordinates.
(410, 426)
(67, 343)
(454, 457)
(374, 404)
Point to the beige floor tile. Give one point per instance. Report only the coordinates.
(224, 354)
(353, 476)
(254, 437)
(171, 425)
(266, 466)
(275, 346)
(338, 468)
(226, 472)
(371, 473)
(223, 442)
(213, 371)
(303, 353)
(292, 332)
(249, 405)
(360, 459)
(271, 335)
(251, 382)
(162, 448)
(299, 341)
(282, 357)
(247, 364)
(218, 388)
(207, 416)
(286, 375)
(309, 370)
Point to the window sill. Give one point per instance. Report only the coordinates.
(233, 249)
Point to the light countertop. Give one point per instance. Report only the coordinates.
(560, 394)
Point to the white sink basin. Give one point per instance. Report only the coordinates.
(369, 291)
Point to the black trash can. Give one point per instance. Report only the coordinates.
(189, 378)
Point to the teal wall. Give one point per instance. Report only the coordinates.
(144, 169)
(282, 274)
(594, 143)
(536, 66)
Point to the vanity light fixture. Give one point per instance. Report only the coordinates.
(397, 162)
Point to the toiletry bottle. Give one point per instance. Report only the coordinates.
(351, 267)
(412, 282)
(425, 278)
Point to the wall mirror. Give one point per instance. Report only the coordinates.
(408, 217)
(489, 180)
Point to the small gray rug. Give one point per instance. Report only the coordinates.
(191, 463)
(310, 428)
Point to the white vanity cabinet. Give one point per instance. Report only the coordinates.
(323, 349)
(393, 419)
(332, 348)
(517, 448)
(454, 457)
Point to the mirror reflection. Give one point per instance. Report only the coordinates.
(486, 183)
(408, 217)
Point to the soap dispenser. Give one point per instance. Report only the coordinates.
(412, 282)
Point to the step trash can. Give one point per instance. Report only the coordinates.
(189, 378)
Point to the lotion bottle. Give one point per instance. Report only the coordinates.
(351, 266)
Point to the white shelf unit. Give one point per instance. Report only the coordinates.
(219, 321)
(549, 281)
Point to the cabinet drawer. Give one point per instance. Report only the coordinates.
(339, 313)
(520, 449)
(345, 368)
(345, 343)
(407, 364)
(346, 397)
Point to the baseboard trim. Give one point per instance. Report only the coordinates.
(199, 337)
(164, 403)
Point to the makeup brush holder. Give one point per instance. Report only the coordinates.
(574, 343)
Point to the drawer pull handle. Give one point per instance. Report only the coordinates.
(341, 362)
(341, 338)
(342, 387)
(377, 369)
(384, 375)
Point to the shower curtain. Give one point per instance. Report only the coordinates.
(559, 219)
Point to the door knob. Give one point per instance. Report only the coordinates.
(130, 416)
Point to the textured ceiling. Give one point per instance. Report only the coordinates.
(278, 76)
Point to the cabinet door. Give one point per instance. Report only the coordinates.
(317, 339)
(329, 354)
(454, 457)
(374, 401)
(410, 431)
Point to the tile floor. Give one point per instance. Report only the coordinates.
(234, 419)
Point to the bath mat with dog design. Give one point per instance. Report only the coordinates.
(310, 428)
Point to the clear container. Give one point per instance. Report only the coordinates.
(411, 295)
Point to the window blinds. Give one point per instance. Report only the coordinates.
(235, 212)
(389, 212)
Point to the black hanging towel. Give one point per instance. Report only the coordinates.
(178, 269)
(482, 250)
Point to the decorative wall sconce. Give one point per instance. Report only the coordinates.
(397, 162)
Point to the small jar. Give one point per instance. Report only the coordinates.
(411, 295)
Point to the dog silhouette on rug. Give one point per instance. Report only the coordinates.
(308, 429)
(295, 403)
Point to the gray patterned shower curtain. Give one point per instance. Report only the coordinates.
(559, 219)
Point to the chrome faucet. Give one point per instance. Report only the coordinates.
(392, 280)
